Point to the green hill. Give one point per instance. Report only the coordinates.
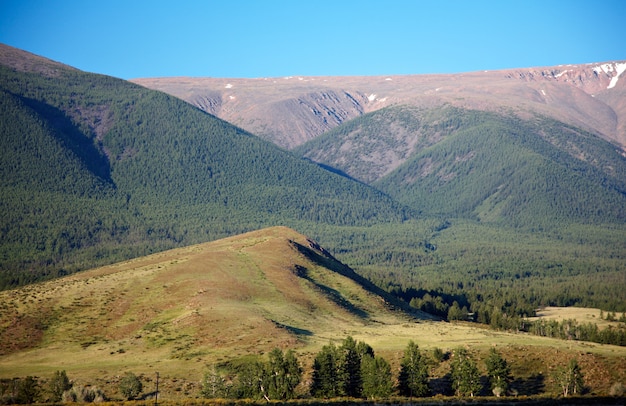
(95, 169)
(492, 167)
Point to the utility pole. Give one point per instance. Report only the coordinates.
(156, 394)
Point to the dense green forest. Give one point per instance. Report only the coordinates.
(498, 214)
(95, 169)
(492, 167)
(432, 263)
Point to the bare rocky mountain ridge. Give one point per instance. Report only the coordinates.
(290, 111)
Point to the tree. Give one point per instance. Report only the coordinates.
(351, 368)
(58, 384)
(130, 386)
(325, 382)
(282, 375)
(456, 313)
(376, 376)
(250, 381)
(570, 378)
(213, 385)
(413, 378)
(27, 390)
(465, 375)
(498, 371)
(337, 371)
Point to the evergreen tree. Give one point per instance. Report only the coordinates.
(250, 381)
(27, 390)
(376, 376)
(351, 368)
(465, 375)
(413, 378)
(282, 375)
(325, 382)
(498, 371)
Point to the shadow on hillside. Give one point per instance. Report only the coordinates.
(332, 294)
(441, 386)
(294, 330)
(72, 138)
(533, 385)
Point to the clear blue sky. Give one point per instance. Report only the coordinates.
(272, 38)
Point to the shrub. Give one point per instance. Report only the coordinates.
(617, 389)
(27, 391)
(83, 394)
(130, 386)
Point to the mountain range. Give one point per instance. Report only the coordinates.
(487, 194)
(290, 111)
(472, 144)
(397, 175)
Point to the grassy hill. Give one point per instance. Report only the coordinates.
(95, 169)
(181, 311)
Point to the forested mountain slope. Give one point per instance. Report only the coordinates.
(454, 162)
(94, 169)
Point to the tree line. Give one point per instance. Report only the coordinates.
(349, 370)
(353, 370)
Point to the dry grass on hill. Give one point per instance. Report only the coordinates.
(181, 311)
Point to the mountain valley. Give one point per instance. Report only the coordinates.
(176, 224)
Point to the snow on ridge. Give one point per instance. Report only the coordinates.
(609, 68)
(605, 67)
(619, 68)
(228, 86)
(371, 97)
(558, 75)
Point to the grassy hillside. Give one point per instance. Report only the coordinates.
(181, 311)
(96, 169)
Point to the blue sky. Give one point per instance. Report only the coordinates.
(271, 38)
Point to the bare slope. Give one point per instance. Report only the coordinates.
(292, 110)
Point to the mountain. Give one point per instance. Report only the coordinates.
(531, 148)
(489, 166)
(212, 302)
(290, 111)
(95, 169)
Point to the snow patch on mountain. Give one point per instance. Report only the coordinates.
(619, 68)
(371, 97)
(558, 75)
(610, 68)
